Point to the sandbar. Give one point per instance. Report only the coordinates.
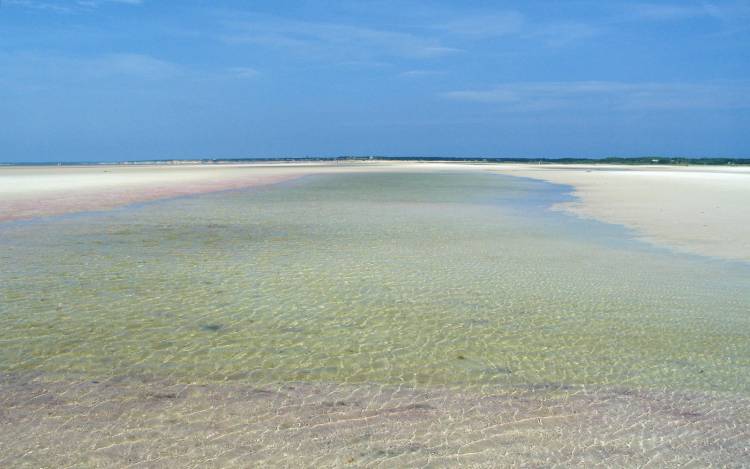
(693, 209)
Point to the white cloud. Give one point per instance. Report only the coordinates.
(608, 95)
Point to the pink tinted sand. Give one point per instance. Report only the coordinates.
(33, 191)
(60, 202)
(28, 192)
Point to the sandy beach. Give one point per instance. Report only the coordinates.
(699, 210)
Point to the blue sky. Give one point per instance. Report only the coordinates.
(107, 80)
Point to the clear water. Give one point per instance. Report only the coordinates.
(426, 282)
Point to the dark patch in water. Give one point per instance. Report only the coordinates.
(499, 370)
(549, 387)
(478, 322)
(383, 453)
(419, 406)
(162, 395)
(335, 404)
(690, 415)
(262, 393)
(321, 370)
(211, 327)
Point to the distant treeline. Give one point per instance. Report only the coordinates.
(645, 160)
(613, 160)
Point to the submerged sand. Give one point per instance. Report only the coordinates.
(160, 424)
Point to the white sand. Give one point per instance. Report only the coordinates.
(701, 210)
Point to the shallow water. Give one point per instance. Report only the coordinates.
(434, 282)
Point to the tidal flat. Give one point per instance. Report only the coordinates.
(389, 318)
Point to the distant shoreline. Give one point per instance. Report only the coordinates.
(629, 161)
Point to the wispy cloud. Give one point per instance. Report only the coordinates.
(65, 6)
(36, 71)
(134, 65)
(490, 24)
(721, 11)
(663, 11)
(342, 41)
(102, 2)
(421, 73)
(243, 72)
(64, 71)
(38, 5)
(513, 24)
(563, 33)
(608, 95)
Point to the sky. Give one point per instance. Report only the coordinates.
(113, 80)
